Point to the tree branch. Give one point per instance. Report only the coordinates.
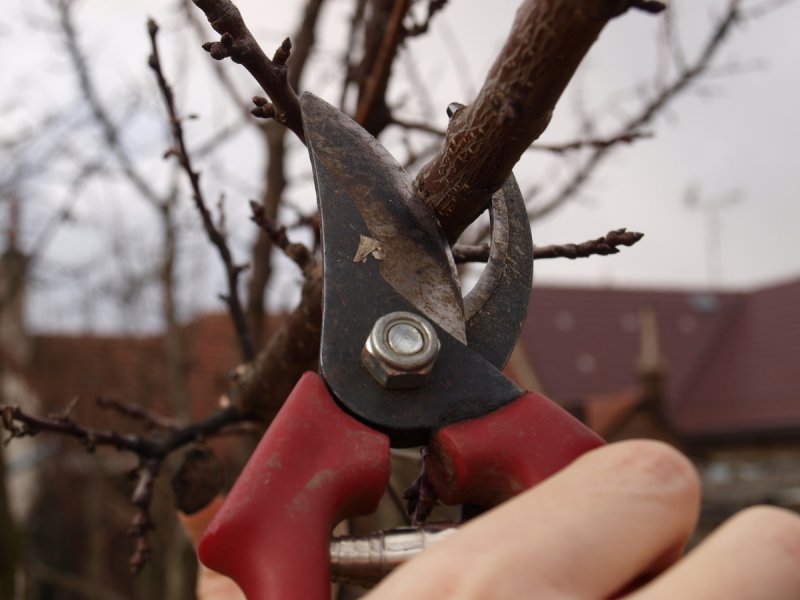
(298, 253)
(261, 386)
(238, 43)
(110, 132)
(151, 450)
(275, 174)
(602, 246)
(374, 88)
(485, 140)
(625, 137)
(216, 236)
(649, 110)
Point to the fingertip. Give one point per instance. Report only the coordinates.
(755, 555)
(647, 468)
(772, 526)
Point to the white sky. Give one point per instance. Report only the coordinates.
(736, 134)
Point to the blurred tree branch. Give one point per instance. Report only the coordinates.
(650, 108)
(215, 235)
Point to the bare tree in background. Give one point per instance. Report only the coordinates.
(456, 177)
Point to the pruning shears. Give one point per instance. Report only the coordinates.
(405, 361)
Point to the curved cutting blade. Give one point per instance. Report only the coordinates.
(387, 224)
(496, 307)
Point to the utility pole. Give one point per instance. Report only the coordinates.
(711, 211)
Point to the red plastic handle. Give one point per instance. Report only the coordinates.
(314, 467)
(487, 460)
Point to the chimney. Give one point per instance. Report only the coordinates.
(650, 365)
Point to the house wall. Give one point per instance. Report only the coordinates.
(735, 476)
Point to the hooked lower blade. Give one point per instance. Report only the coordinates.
(496, 307)
(386, 221)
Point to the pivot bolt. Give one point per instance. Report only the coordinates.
(401, 350)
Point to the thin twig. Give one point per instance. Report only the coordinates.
(20, 424)
(142, 522)
(237, 43)
(602, 246)
(217, 238)
(375, 86)
(417, 126)
(223, 78)
(626, 137)
(299, 253)
(352, 43)
(417, 29)
(135, 412)
(653, 107)
(151, 451)
(109, 129)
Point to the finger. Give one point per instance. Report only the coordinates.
(210, 584)
(753, 556)
(611, 516)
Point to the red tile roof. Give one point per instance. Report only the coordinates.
(750, 378)
(732, 362)
(132, 369)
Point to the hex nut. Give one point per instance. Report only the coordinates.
(401, 350)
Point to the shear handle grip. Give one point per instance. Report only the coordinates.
(487, 460)
(314, 467)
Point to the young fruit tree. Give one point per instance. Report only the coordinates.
(197, 440)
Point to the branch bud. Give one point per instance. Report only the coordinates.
(282, 53)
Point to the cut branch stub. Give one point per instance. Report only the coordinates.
(485, 140)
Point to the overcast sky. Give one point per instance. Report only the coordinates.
(733, 139)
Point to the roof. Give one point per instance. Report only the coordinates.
(750, 378)
(732, 362)
(732, 359)
(132, 369)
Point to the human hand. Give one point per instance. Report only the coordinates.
(613, 524)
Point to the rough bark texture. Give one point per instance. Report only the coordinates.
(485, 140)
(260, 386)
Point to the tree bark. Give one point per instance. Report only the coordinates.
(485, 140)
